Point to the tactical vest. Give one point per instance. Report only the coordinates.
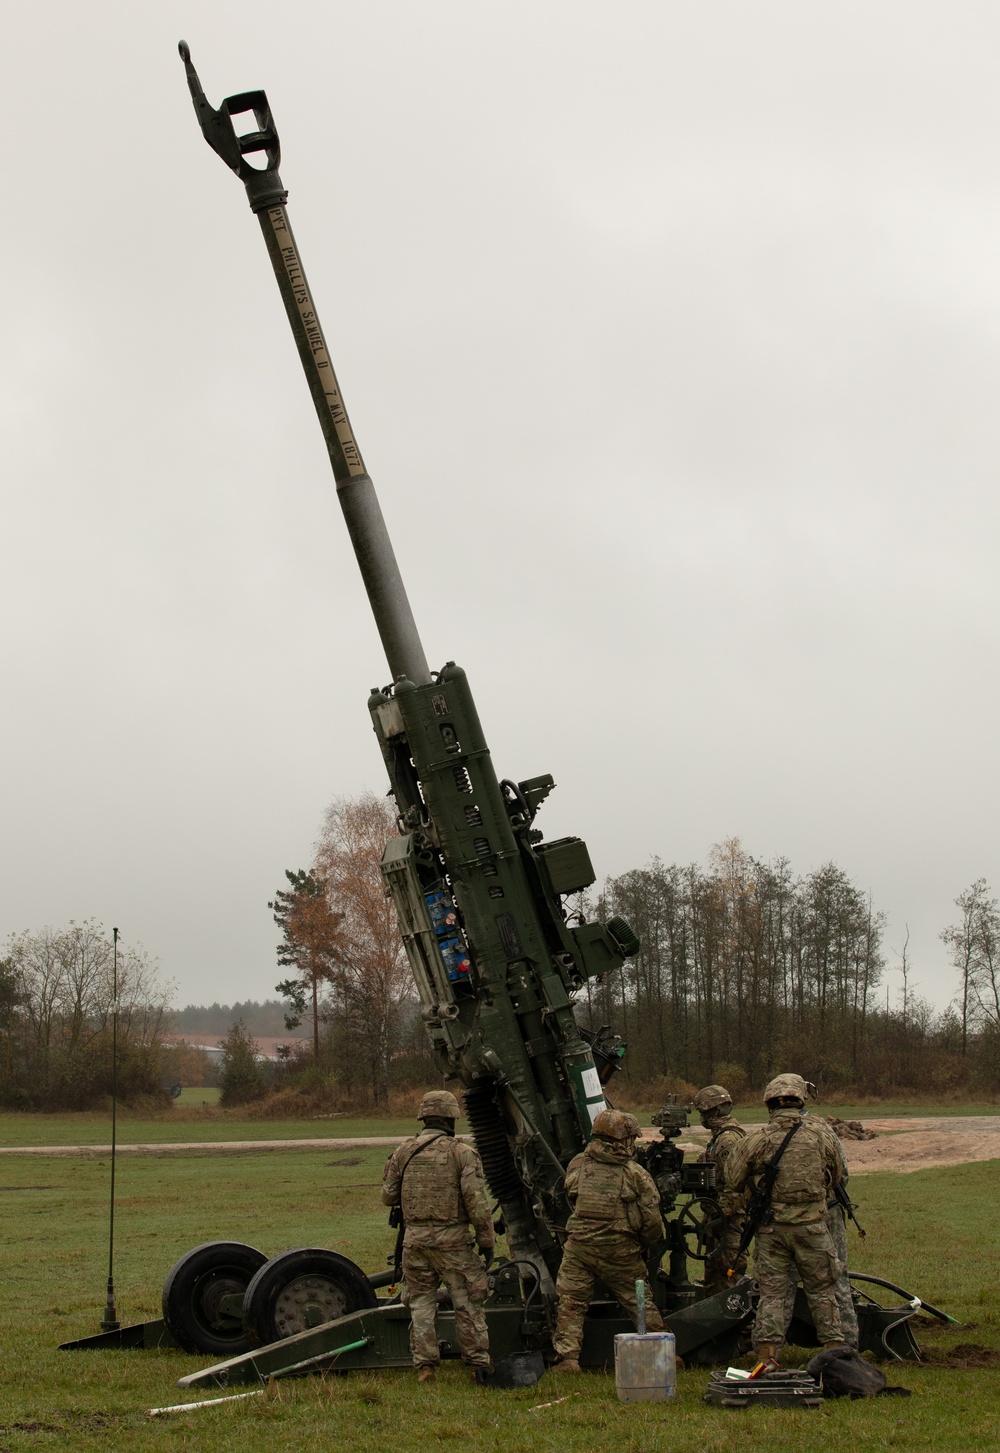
(431, 1190)
(605, 1195)
(802, 1171)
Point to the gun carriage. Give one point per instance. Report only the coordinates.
(496, 956)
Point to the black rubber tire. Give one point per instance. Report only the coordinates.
(192, 1290)
(301, 1289)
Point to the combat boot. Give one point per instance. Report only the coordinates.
(565, 1364)
(425, 1373)
(767, 1358)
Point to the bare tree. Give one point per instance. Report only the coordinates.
(58, 1027)
(986, 983)
(904, 968)
(965, 941)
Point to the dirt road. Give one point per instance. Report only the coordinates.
(203, 1147)
(914, 1143)
(903, 1144)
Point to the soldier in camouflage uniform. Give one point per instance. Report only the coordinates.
(438, 1182)
(794, 1235)
(714, 1104)
(836, 1224)
(615, 1212)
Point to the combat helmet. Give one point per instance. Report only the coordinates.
(712, 1097)
(438, 1105)
(615, 1125)
(786, 1087)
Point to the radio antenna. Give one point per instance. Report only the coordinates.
(110, 1322)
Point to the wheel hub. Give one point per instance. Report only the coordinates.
(211, 1296)
(308, 1301)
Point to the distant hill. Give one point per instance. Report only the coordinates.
(215, 1020)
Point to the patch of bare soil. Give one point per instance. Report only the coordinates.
(947, 1143)
(966, 1354)
(905, 1143)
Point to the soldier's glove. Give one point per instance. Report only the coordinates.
(487, 1253)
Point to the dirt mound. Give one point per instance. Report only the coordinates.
(850, 1129)
(966, 1355)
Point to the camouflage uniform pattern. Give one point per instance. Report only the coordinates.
(722, 1254)
(616, 1210)
(796, 1241)
(836, 1224)
(439, 1182)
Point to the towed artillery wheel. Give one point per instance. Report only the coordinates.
(702, 1226)
(302, 1289)
(203, 1294)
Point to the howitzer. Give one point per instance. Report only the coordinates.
(496, 957)
(479, 896)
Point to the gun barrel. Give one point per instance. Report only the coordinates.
(362, 513)
(365, 524)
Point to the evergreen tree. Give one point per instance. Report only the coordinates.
(241, 1074)
(311, 944)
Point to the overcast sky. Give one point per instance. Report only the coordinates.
(671, 337)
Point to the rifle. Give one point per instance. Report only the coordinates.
(845, 1201)
(760, 1200)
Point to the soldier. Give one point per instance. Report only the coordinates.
(836, 1224)
(793, 1233)
(438, 1183)
(615, 1212)
(714, 1104)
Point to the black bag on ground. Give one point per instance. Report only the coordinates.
(845, 1373)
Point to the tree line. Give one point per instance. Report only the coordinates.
(747, 969)
(211, 1021)
(56, 1021)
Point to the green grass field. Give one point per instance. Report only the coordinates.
(934, 1232)
(194, 1097)
(199, 1119)
(190, 1125)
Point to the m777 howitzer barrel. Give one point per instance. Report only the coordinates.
(355, 490)
(480, 899)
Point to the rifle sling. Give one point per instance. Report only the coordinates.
(768, 1175)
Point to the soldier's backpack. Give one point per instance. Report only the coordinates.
(845, 1373)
